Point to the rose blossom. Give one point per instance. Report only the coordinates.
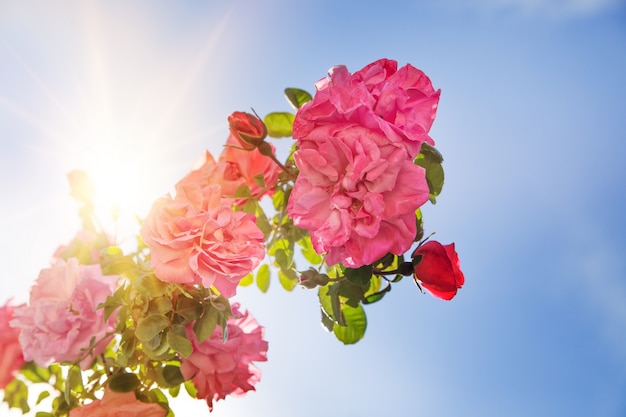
(118, 404)
(221, 368)
(11, 358)
(356, 198)
(235, 167)
(438, 269)
(62, 316)
(197, 238)
(398, 104)
(241, 168)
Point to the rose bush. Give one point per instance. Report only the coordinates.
(61, 317)
(147, 320)
(118, 404)
(11, 358)
(219, 368)
(438, 269)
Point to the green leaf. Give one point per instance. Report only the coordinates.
(151, 326)
(16, 395)
(279, 124)
(309, 252)
(34, 373)
(263, 278)
(262, 222)
(359, 276)
(150, 286)
(377, 296)
(288, 279)
(191, 389)
(259, 180)
(283, 258)
(430, 159)
(73, 383)
(180, 343)
(356, 323)
(205, 325)
(243, 192)
(160, 305)
(172, 375)
(278, 199)
(297, 97)
(125, 382)
(247, 280)
(189, 308)
(42, 396)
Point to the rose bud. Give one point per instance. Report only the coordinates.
(248, 129)
(437, 268)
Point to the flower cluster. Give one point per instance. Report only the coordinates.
(358, 187)
(110, 331)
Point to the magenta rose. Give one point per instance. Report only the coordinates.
(196, 238)
(438, 269)
(62, 317)
(355, 197)
(220, 368)
(11, 358)
(118, 404)
(399, 104)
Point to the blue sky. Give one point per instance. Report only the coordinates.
(531, 125)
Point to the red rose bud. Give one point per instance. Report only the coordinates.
(438, 269)
(248, 129)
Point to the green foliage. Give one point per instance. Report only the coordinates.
(279, 124)
(263, 278)
(16, 395)
(342, 312)
(297, 97)
(430, 159)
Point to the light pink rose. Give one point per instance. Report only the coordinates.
(356, 197)
(119, 404)
(61, 317)
(235, 167)
(219, 369)
(399, 104)
(11, 358)
(196, 238)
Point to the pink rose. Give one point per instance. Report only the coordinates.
(196, 238)
(11, 358)
(398, 104)
(118, 404)
(438, 269)
(219, 369)
(356, 197)
(235, 168)
(61, 317)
